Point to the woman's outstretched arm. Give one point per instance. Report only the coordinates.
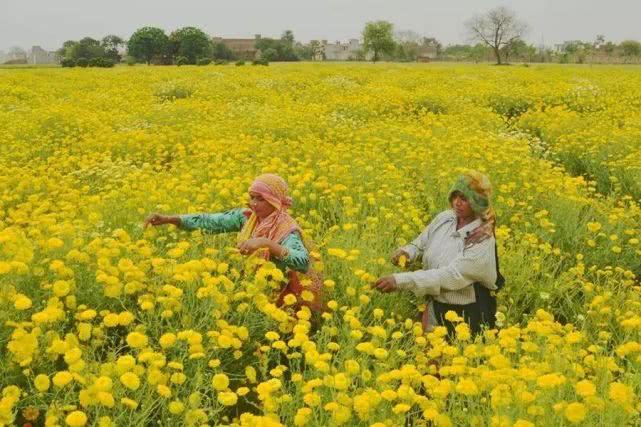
(222, 222)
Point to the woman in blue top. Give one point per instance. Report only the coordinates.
(267, 229)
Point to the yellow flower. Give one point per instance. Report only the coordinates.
(467, 387)
(76, 419)
(163, 390)
(22, 302)
(61, 288)
(550, 380)
(176, 407)
(130, 403)
(451, 316)
(42, 382)
(621, 393)
(167, 340)
(302, 416)
(220, 382)
(594, 227)
(575, 412)
(130, 380)
(136, 340)
(227, 398)
(62, 378)
(585, 388)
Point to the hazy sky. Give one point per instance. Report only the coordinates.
(50, 22)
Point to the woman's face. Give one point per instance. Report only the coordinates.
(261, 207)
(461, 206)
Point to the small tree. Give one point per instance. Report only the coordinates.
(317, 50)
(221, 51)
(631, 49)
(407, 45)
(378, 39)
(111, 45)
(146, 43)
(191, 43)
(497, 28)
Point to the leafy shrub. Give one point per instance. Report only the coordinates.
(239, 63)
(426, 104)
(261, 61)
(82, 62)
(68, 63)
(508, 106)
(172, 91)
(203, 61)
(182, 60)
(221, 62)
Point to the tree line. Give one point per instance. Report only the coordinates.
(495, 35)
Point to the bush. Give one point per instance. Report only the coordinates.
(261, 61)
(82, 62)
(426, 104)
(107, 63)
(101, 62)
(239, 63)
(68, 62)
(508, 106)
(182, 60)
(203, 61)
(223, 62)
(172, 90)
(131, 60)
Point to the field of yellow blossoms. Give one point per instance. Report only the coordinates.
(105, 323)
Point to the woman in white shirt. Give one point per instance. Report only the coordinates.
(458, 254)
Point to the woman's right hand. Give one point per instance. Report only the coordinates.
(398, 256)
(157, 219)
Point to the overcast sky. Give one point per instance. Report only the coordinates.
(49, 23)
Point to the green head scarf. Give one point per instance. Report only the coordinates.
(478, 202)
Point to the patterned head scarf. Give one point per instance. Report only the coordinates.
(279, 224)
(477, 189)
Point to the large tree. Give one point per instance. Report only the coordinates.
(378, 38)
(87, 48)
(147, 43)
(497, 28)
(191, 43)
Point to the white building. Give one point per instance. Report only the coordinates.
(38, 55)
(338, 51)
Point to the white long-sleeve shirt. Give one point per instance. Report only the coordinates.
(449, 268)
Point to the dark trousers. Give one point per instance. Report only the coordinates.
(477, 314)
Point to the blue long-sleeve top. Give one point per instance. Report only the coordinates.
(233, 220)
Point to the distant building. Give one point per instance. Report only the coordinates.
(426, 53)
(242, 48)
(338, 51)
(38, 55)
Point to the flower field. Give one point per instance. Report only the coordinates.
(103, 322)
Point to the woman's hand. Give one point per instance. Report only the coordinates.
(385, 284)
(251, 245)
(156, 219)
(397, 257)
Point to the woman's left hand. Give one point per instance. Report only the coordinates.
(385, 284)
(251, 245)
